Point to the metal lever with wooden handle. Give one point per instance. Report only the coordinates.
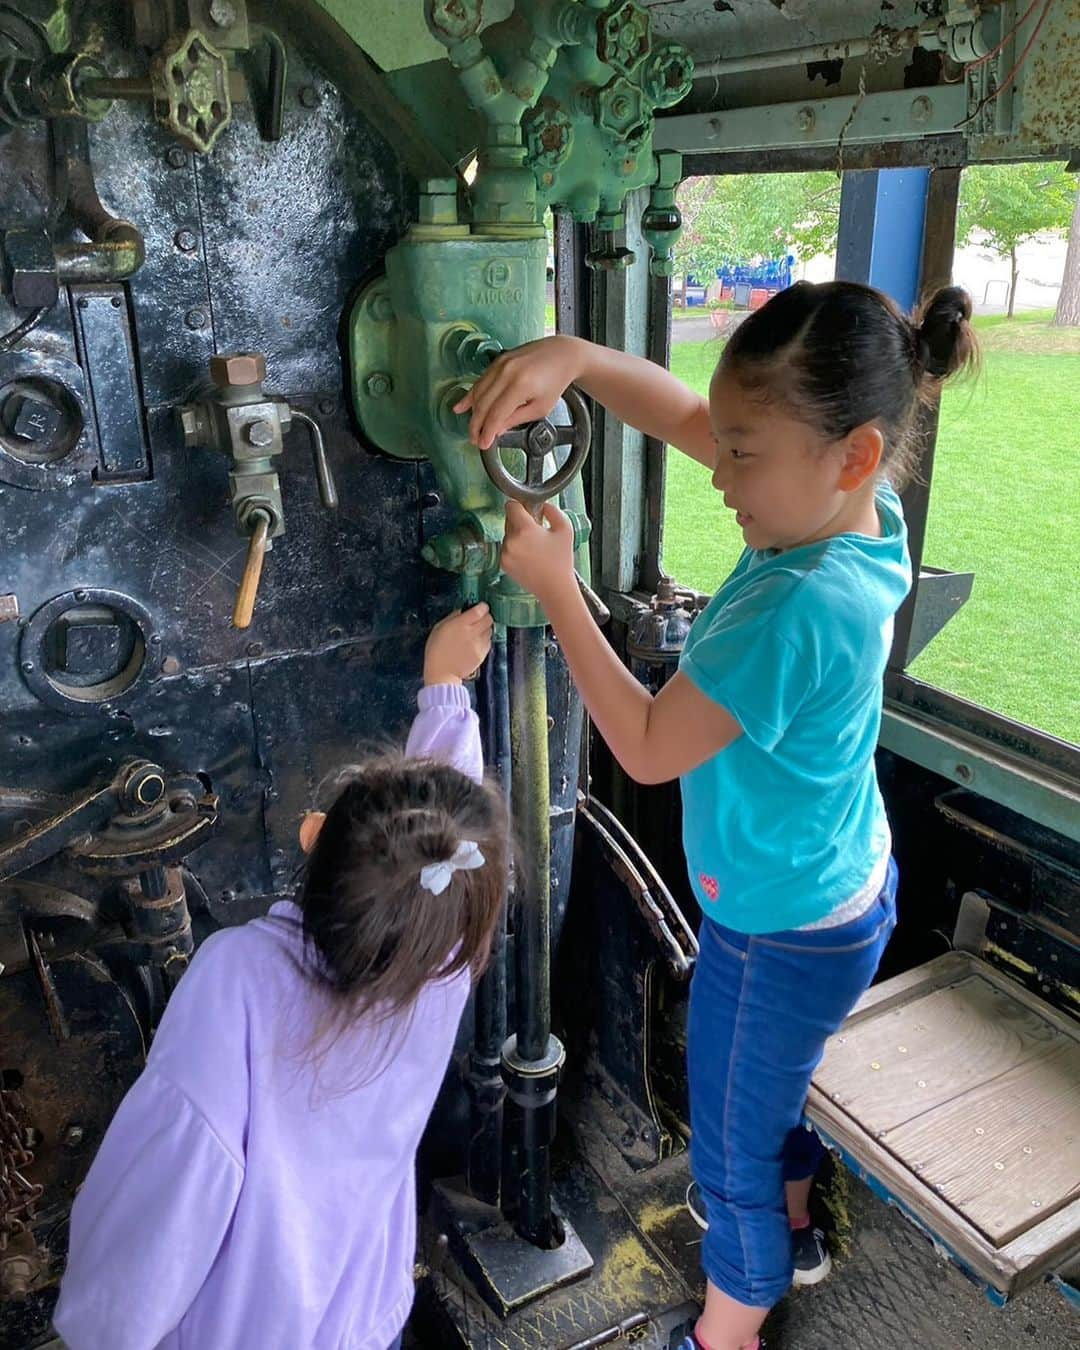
(259, 524)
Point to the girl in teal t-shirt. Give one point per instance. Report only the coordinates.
(771, 721)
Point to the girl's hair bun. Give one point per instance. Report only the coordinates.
(944, 340)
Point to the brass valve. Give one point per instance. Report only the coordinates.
(244, 422)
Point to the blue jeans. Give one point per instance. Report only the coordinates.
(761, 1010)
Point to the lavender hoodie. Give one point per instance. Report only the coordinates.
(244, 1198)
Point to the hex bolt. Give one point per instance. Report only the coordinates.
(197, 318)
(222, 13)
(379, 384)
(17, 1274)
(232, 369)
(804, 119)
(176, 158)
(260, 432)
(921, 108)
(186, 240)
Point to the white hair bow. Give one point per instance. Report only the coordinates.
(435, 877)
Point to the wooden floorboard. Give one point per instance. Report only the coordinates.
(1006, 1154)
(910, 1059)
(961, 1094)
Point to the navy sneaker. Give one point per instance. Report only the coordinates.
(812, 1259)
(691, 1342)
(811, 1255)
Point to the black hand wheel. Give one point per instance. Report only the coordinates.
(538, 439)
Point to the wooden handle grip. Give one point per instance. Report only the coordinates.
(253, 566)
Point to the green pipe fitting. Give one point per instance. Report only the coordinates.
(504, 191)
(463, 550)
(661, 223)
(438, 202)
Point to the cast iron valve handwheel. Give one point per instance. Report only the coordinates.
(538, 439)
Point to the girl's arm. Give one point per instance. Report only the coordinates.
(526, 383)
(654, 739)
(446, 728)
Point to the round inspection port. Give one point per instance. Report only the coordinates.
(85, 649)
(40, 421)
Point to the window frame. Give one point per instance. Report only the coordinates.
(1015, 765)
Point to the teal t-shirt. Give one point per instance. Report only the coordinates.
(787, 821)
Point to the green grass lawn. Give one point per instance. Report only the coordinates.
(1005, 505)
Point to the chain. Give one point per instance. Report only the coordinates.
(17, 1195)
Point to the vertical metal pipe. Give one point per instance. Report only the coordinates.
(529, 794)
(483, 1167)
(533, 1058)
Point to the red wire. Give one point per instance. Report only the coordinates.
(1023, 55)
(1007, 81)
(988, 56)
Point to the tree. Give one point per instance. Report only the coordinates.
(1008, 203)
(1067, 314)
(756, 216)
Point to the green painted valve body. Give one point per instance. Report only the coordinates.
(566, 92)
(419, 337)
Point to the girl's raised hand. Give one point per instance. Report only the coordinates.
(541, 560)
(457, 646)
(520, 386)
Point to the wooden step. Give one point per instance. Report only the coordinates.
(957, 1091)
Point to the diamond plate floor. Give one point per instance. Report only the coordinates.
(893, 1292)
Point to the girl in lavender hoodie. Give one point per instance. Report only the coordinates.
(255, 1190)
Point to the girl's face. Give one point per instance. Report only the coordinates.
(785, 484)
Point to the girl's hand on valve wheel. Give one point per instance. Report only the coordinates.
(457, 646)
(519, 386)
(538, 558)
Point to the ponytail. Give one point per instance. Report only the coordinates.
(838, 354)
(944, 340)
